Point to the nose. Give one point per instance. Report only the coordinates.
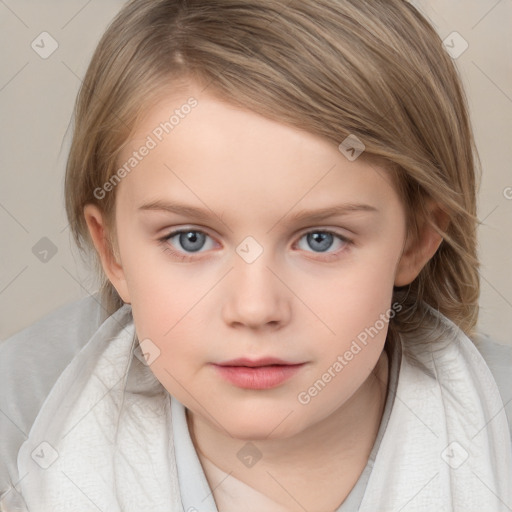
(255, 296)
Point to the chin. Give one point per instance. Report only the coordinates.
(263, 428)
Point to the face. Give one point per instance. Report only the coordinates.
(222, 257)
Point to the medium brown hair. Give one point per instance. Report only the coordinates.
(374, 69)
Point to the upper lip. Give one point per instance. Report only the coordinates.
(264, 361)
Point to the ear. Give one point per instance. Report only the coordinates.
(109, 261)
(420, 249)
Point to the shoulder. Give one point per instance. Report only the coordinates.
(30, 363)
(498, 357)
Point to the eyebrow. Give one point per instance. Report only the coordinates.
(312, 215)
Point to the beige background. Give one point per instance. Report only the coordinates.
(36, 101)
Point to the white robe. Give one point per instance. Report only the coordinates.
(101, 438)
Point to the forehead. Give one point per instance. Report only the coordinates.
(207, 150)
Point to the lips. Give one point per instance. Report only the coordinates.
(253, 363)
(264, 373)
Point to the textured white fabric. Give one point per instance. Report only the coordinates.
(102, 439)
(447, 446)
(107, 421)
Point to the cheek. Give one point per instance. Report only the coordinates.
(171, 322)
(170, 308)
(159, 292)
(353, 298)
(356, 305)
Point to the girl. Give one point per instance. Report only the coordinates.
(281, 198)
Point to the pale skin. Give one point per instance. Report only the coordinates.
(295, 301)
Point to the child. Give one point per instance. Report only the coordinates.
(253, 371)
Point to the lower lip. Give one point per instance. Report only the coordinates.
(262, 377)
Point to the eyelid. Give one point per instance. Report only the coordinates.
(176, 231)
(323, 229)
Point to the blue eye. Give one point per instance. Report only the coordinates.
(193, 240)
(320, 240)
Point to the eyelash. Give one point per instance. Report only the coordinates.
(164, 242)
